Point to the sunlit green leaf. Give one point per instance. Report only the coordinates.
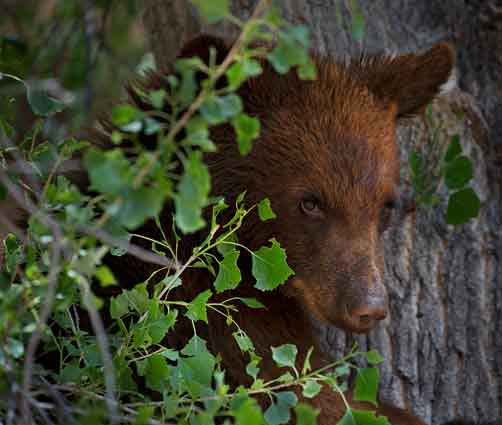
(247, 129)
(197, 309)
(249, 413)
(124, 114)
(217, 110)
(119, 306)
(265, 210)
(367, 385)
(305, 414)
(105, 276)
(229, 274)
(311, 388)
(285, 355)
(269, 267)
(159, 327)
(156, 372)
(373, 357)
(192, 195)
(252, 302)
(243, 341)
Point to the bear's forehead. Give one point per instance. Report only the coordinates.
(331, 135)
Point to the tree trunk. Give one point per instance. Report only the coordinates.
(443, 354)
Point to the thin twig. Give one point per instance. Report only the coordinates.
(104, 348)
(134, 250)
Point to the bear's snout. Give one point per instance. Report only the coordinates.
(365, 305)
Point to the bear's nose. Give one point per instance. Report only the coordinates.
(363, 317)
(369, 313)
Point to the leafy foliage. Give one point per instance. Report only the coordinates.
(124, 369)
(439, 163)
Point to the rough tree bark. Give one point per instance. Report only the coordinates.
(442, 344)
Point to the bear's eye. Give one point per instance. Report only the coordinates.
(310, 206)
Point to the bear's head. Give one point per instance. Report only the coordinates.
(327, 159)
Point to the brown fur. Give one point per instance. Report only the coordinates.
(332, 139)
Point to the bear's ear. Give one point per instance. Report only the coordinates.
(411, 80)
(201, 46)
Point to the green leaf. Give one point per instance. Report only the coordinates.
(6, 128)
(159, 327)
(217, 110)
(265, 210)
(458, 172)
(454, 148)
(367, 385)
(156, 372)
(71, 373)
(105, 276)
(243, 341)
(12, 252)
(269, 267)
(311, 388)
(197, 371)
(287, 397)
(138, 298)
(247, 129)
(15, 348)
(362, 417)
(306, 415)
(307, 71)
(358, 25)
(290, 50)
(192, 196)
(144, 415)
(198, 135)
(252, 302)
(279, 412)
(285, 355)
(415, 161)
(157, 98)
(238, 72)
(41, 103)
(194, 346)
(252, 368)
(186, 91)
(124, 375)
(286, 377)
(342, 370)
(213, 10)
(249, 413)
(462, 206)
(197, 309)
(119, 306)
(373, 357)
(229, 274)
(124, 114)
(109, 171)
(139, 205)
